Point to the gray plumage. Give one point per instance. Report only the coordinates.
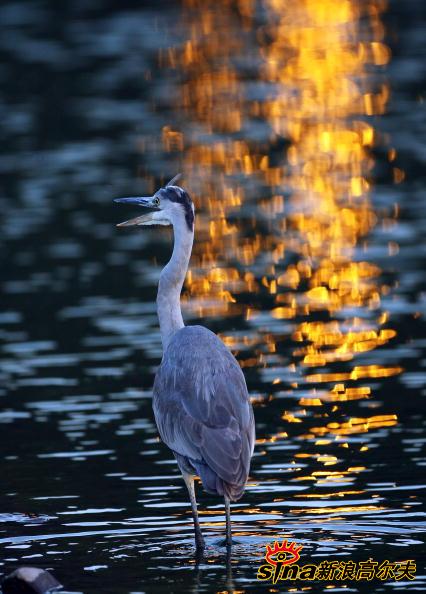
(203, 413)
(200, 399)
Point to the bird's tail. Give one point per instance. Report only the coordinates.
(212, 483)
(233, 492)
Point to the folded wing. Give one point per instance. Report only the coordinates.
(203, 412)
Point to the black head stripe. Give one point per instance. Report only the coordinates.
(177, 194)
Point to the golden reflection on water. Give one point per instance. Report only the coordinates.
(274, 134)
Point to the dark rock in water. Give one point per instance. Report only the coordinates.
(30, 580)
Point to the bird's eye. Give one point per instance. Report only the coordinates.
(156, 201)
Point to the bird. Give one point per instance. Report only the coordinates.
(200, 399)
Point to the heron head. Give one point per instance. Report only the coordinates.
(170, 205)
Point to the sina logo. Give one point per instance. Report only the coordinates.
(285, 554)
(281, 562)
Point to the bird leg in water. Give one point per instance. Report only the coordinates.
(228, 522)
(189, 481)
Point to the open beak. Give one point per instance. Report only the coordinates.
(146, 219)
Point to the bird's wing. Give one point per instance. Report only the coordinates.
(202, 408)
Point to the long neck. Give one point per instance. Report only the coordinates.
(171, 282)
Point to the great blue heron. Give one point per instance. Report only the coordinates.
(200, 399)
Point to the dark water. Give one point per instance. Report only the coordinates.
(300, 130)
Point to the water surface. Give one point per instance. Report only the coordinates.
(299, 131)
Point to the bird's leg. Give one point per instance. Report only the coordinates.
(199, 540)
(229, 577)
(228, 522)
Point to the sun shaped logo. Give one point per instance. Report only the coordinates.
(285, 553)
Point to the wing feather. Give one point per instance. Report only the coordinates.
(202, 407)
